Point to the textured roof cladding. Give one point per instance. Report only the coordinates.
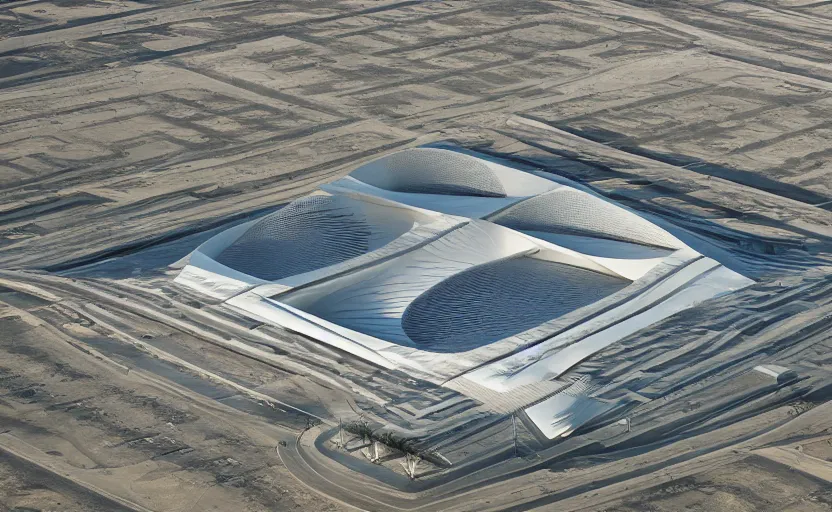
(308, 234)
(570, 211)
(372, 300)
(432, 171)
(497, 300)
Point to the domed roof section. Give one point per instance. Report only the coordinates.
(491, 302)
(312, 233)
(574, 212)
(432, 171)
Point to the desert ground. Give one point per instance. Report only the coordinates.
(133, 131)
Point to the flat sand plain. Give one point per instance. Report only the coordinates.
(130, 131)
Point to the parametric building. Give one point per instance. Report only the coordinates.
(486, 279)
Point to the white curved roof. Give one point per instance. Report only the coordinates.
(443, 181)
(432, 171)
(315, 232)
(455, 267)
(569, 211)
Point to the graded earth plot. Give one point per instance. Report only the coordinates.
(462, 272)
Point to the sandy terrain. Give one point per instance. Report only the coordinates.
(132, 131)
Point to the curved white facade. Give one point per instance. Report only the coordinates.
(458, 270)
